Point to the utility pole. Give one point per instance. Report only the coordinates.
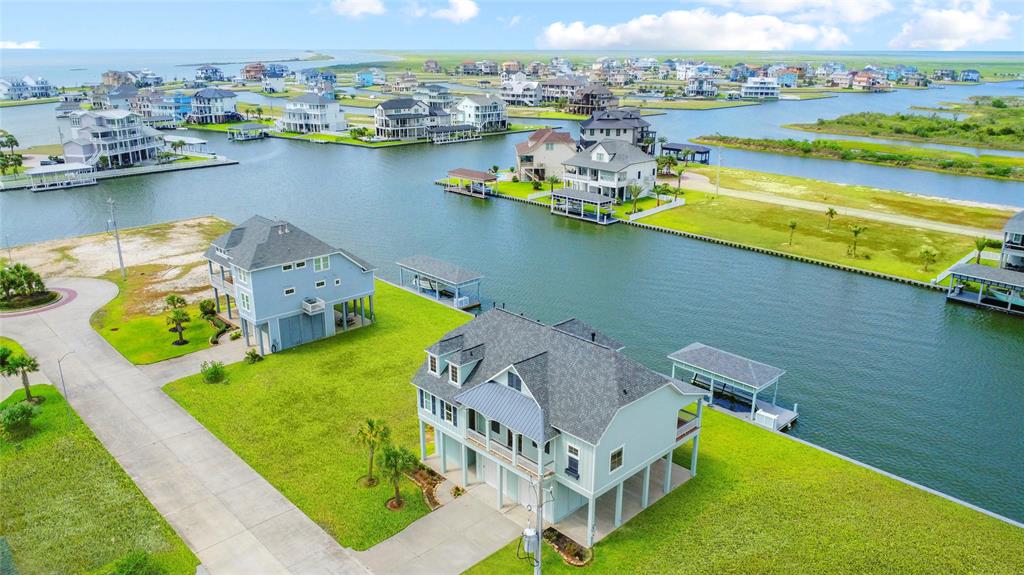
(540, 510)
(718, 174)
(117, 237)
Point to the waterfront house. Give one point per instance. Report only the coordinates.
(1012, 255)
(290, 286)
(273, 83)
(364, 78)
(253, 71)
(590, 99)
(624, 124)
(559, 89)
(511, 67)
(209, 73)
(312, 113)
(435, 96)
(431, 67)
(468, 68)
(213, 106)
(12, 88)
(39, 87)
(609, 168)
(701, 88)
(407, 119)
(110, 138)
(116, 78)
(944, 74)
(115, 98)
(277, 68)
(760, 88)
(542, 155)
(517, 90)
(970, 75)
(869, 82)
(529, 408)
(485, 112)
(999, 288)
(405, 83)
(488, 67)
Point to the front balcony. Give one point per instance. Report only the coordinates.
(227, 283)
(504, 454)
(686, 423)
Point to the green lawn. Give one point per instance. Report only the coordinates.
(12, 345)
(67, 507)
(885, 248)
(762, 503)
(523, 189)
(543, 113)
(292, 416)
(853, 196)
(30, 102)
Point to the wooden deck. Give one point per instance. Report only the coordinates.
(971, 298)
(783, 418)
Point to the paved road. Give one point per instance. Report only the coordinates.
(234, 521)
(702, 183)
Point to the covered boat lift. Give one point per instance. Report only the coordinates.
(738, 381)
(688, 152)
(583, 205)
(468, 182)
(998, 289)
(58, 176)
(441, 280)
(245, 132)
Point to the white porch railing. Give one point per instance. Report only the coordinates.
(313, 306)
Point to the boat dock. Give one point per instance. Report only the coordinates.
(996, 288)
(443, 281)
(472, 183)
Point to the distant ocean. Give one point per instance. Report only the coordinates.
(77, 67)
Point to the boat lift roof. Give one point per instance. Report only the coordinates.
(723, 365)
(445, 272)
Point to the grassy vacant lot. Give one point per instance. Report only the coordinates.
(543, 113)
(29, 102)
(44, 149)
(67, 507)
(292, 417)
(990, 123)
(12, 345)
(931, 159)
(886, 248)
(762, 503)
(865, 197)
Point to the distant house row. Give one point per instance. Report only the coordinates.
(12, 88)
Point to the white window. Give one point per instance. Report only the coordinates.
(300, 265)
(289, 290)
(432, 364)
(244, 302)
(615, 461)
(320, 283)
(337, 281)
(453, 372)
(286, 268)
(242, 276)
(449, 413)
(322, 263)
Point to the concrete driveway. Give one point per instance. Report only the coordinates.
(234, 521)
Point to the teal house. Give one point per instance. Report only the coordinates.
(525, 409)
(289, 287)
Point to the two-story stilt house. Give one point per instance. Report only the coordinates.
(518, 404)
(290, 287)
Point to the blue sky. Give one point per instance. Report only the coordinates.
(526, 24)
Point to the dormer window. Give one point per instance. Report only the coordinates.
(453, 373)
(515, 382)
(432, 364)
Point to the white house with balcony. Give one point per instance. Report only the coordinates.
(760, 88)
(407, 119)
(485, 112)
(110, 138)
(520, 406)
(213, 106)
(289, 286)
(518, 90)
(312, 113)
(610, 168)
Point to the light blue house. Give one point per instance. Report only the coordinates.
(364, 78)
(289, 286)
(517, 405)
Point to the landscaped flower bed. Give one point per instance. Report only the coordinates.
(572, 552)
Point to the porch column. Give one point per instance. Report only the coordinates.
(259, 336)
(373, 316)
(645, 494)
(666, 485)
(501, 486)
(591, 511)
(753, 406)
(362, 312)
(401, 276)
(216, 298)
(618, 504)
(344, 316)
(693, 455)
(245, 332)
(227, 298)
(423, 440)
(775, 392)
(515, 444)
(465, 465)
(443, 451)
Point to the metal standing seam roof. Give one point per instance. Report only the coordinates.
(582, 196)
(728, 365)
(261, 243)
(1015, 225)
(250, 126)
(688, 147)
(507, 406)
(58, 168)
(990, 274)
(439, 269)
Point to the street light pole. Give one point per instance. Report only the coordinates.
(64, 386)
(117, 237)
(718, 174)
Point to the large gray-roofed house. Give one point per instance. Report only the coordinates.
(621, 155)
(260, 243)
(1016, 224)
(515, 400)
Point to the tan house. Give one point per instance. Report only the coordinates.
(542, 154)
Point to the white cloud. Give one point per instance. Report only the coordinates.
(692, 29)
(357, 8)
(953, 26)
(513, 21)
(829, 11)
(458, 11)
(416, 10)
(12, 45)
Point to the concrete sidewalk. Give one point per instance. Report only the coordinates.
(234, 521)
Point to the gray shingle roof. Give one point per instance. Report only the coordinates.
(727, 365)
(399, 103)
(582, 330)
(213, 93)
(313, 99)
(991, 274)
(583, 196)
(578, 385)
(619, 118)
(261, 243)
(1015, 225)
(440, 269)
(621, 154)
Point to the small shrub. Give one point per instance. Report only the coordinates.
(515, 179)
(213, 371)
(252, 356)
(537, 185)
(18, 417)
(207, 308)
(235, 335)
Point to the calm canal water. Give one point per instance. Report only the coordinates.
(885, 373)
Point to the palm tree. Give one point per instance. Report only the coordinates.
(928, 256)
(23, 365)
(792, 229)
(4, 164)
(980, 243)
(830, 213)
(857, 231)
(494, 169)
(10, 142)
(174, 301)
(372, 434)
(634, 192)
(259, 112)
(552, 180)
(396, 462)
(15, 161)
(177, 318)
(678, 171)
(662, 140)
